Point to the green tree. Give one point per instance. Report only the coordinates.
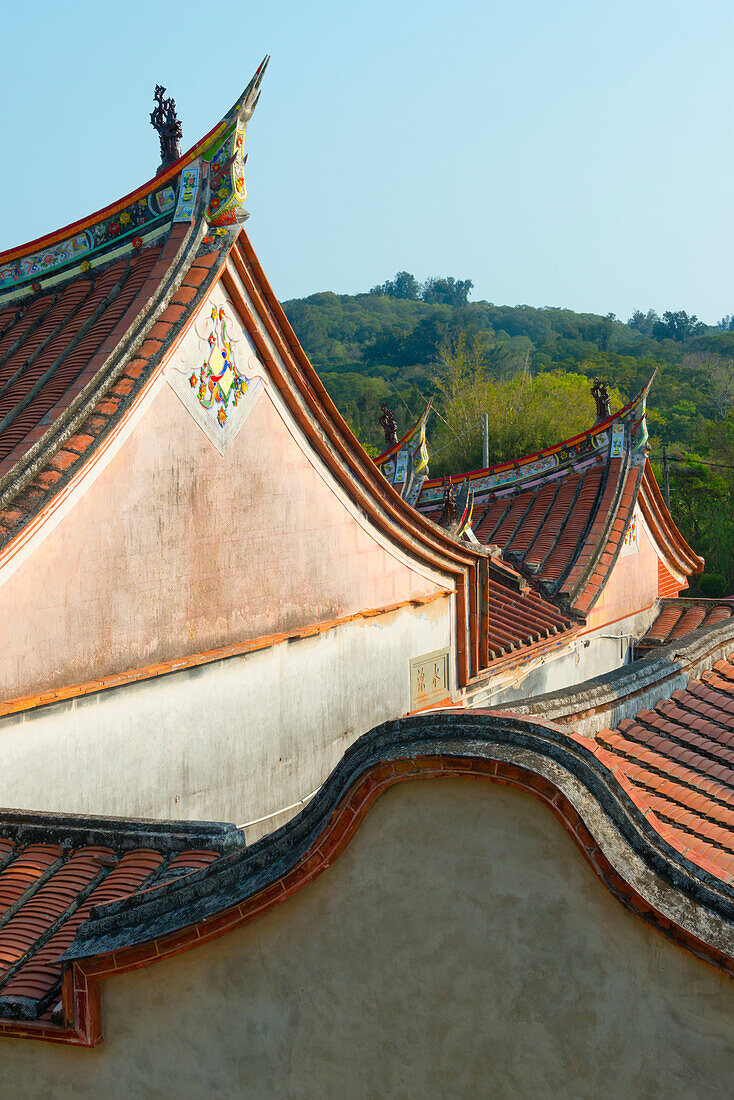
(678, 325)
(404, 285)
(525, 412)
(446, 291)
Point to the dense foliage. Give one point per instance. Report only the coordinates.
(530, 369)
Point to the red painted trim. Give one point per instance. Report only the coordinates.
(671, 543)
(341, 451)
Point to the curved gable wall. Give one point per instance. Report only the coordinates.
(460, 946)
(175, 549)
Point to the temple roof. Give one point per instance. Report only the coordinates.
(88, 311)
(560, 515)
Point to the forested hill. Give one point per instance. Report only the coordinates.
(378, 346)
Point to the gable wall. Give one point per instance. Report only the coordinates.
(175, 549)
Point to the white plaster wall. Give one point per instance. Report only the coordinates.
(589, 654)
(234, 740)
(461, 947)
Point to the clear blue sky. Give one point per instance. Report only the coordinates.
(557, 153)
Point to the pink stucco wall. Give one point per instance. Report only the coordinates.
(175, 550)
(633, 585)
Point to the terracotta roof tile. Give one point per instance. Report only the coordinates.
(51, 343)
(48, 890)
(680, 757)
(678, 617)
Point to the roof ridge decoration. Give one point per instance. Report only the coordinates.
(405, 462)
(139, 218)
(227, 191)
(164, 120)
(566, 453)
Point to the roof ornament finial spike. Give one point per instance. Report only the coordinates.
(163, 118)
(449, 514)
(388, 425)
(251, 94)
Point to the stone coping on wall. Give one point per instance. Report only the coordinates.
(608, 699)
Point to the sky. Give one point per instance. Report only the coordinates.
(575, 154)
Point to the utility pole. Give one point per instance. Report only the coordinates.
(485, 441)
(666, 477)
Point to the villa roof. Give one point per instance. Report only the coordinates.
(54, 870)
(560, 515)
(678, 617)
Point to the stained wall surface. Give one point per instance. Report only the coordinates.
(176, 549)
(460, 947)
(235, 740)
(633, 584)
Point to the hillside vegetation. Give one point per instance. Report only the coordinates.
(531, 370)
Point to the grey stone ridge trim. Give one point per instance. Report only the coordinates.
(625, 691)
(120, 833)
(694, 899)
(71, 419)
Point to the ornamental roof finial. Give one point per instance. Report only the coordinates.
(603, 402)
(449, 513)
(163, 119)
(387, 423)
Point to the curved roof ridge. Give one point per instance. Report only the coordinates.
(546, 452)
(566, 770)
(199, 148)
(659, 519)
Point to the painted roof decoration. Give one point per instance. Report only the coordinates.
(560, 515)
(87, 312)
(91, 314)
(405, 462)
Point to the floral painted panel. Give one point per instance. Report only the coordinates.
(218, 376)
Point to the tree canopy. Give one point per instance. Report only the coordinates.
(531, 369)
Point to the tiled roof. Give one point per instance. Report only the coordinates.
(48, 342)
(679, 760)
(57, 421)
(53, 872)
(679, 617)
(561, 515)
(87, 312)
(517, 619)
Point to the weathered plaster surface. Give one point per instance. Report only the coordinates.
(460, 947)
(231, 741)
(602, 702)
(175, 549)
(633, 584)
